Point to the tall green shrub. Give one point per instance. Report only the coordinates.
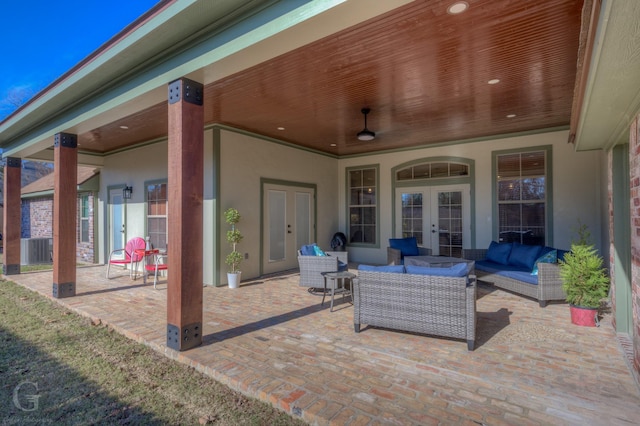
(584, 280)
(232, 217)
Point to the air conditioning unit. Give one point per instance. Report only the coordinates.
(35, 251)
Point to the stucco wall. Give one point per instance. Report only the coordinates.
(132, 167)
(577, 181)
(244, 161)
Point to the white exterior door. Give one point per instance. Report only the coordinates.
(116, 220)
(288, 223)
(439, 217)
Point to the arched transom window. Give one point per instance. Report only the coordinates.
(433, 170)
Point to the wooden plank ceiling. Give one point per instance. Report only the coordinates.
(423, 72)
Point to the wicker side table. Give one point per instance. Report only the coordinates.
(338, 280)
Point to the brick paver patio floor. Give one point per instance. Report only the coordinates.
(272, 340)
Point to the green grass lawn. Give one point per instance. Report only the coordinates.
(78, 374)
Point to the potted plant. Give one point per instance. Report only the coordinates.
(232, 217)
(584, 280)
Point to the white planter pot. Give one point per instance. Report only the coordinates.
(234, 279)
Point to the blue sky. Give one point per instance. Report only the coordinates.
(41, 39)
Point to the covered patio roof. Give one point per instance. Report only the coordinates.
(272, 340)
(300, 72)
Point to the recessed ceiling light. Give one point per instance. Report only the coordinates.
(280, 128)
(457, 7)
(511, 115)
(334, 144)
(124, 127)
(494, 81)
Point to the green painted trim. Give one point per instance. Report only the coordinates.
(146, 202)
(462, 180)
(548, 149)
(216, 208)
(459, 142)
(378, 206)
(39, 194)
(90, 185)
(621, 200)
(267, 181)
(268, 139)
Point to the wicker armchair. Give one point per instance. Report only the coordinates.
(311, 267)
(394, 256)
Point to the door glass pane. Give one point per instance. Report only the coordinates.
(450, 223)
(303, 216)
(277, 209)
(411, 219)
(116, 219)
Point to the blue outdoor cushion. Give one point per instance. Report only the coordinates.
(520, 276)
(493, 267)
(561, 254)
(457, 270)
(342, 267)
(407, 246)
(499, 252)
(549, 257)
(545, 250)
(384, 268)
(308, 250)
(524, 255)
(318, 251)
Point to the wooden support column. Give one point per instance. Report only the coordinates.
(65, 194)
(185, 185)
(12, 215)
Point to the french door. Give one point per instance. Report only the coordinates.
(116, 220)
(438, 216)
(288, 224)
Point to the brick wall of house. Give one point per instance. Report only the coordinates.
(37, 222)
(37, 218)
(634, 159)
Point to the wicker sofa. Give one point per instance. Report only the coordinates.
(429, 304)
(546, 287)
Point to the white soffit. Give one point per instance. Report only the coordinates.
(612, 96)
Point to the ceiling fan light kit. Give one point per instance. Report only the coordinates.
(366, 134)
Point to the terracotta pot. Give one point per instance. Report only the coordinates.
(587, 317)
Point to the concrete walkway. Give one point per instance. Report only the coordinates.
(271, 339)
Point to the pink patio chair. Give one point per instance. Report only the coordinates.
(130, 256)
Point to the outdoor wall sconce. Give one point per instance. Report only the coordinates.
(126, 192)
